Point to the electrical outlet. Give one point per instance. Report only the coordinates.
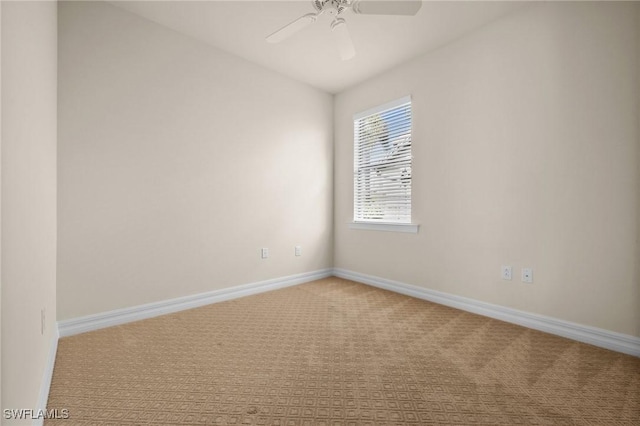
(264, 253)
(527, 275)
(298, 251)
(506, 272)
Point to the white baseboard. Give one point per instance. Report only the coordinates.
(595, 336)
(47, 376)
(136, 313)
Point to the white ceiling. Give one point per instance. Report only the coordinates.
(310, 56)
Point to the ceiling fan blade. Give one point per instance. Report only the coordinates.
(343, 39)
(292, 28)
(386, 7)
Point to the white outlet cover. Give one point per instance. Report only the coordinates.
(298, 251)
(264, 253)
(506, 272)
(527, 275)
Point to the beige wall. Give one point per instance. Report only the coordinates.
(526, 145)
(638, 150)
(29, 56)
(637, 260)
(1, 208)
(177, 163)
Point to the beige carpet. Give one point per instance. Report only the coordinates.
(335, 352)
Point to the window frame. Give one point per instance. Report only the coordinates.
(379, 225)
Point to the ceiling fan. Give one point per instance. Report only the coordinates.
(335, 8)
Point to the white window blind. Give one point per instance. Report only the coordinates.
(382, 163)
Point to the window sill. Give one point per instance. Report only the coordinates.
(411, 228)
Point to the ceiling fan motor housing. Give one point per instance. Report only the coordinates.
(332, 7)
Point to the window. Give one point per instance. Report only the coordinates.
(382, 166)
